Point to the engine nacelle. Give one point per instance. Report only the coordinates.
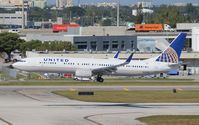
(81, 79)
(83, 73)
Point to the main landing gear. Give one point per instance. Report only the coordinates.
(99, 78)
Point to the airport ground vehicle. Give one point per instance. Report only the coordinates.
(13, 31)
(149, 27)
(130, 26)
(63, 27)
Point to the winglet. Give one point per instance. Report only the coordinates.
(117, 54)
(129, 58)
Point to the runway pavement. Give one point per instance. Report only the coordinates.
(38, 106)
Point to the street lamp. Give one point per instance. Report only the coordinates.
(118, 13)
(23, 23)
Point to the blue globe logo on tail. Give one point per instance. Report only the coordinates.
(169, 55)
(173, 52)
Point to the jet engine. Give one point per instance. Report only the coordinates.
(83, 75)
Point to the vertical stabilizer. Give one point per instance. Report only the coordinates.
(173, 52)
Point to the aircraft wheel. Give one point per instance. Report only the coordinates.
(99, 79)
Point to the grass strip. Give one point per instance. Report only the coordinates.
(135, 96)
(171, 120)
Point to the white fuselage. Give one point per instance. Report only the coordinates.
(71, 65)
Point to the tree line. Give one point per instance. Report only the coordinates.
(106, 16)
(173, 14)
(10, 42)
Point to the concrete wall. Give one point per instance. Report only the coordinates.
(186, 26)
(49, 37)
(103, 30)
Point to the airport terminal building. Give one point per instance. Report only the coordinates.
(89, 42)
(105, 43)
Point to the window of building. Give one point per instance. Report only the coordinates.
(93, 45)
(122, 46)
(115, 45)
(105, 42)
(81, 42)
(114, 42)
(105, 45)
(82, 46)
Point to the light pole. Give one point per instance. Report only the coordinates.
(23, 18)
(118, 13)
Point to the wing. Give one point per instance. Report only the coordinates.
(113, 68)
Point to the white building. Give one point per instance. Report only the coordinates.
(60, 4)
(10, 2)
(39, 3)
(69, 3)
(107, 4)
(14, 3)
(145, 7)
(134, 12)
(195, 39)
(13, 19)
(145, 3)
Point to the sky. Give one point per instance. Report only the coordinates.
(129, 2)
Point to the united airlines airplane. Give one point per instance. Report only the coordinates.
(94, 69)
